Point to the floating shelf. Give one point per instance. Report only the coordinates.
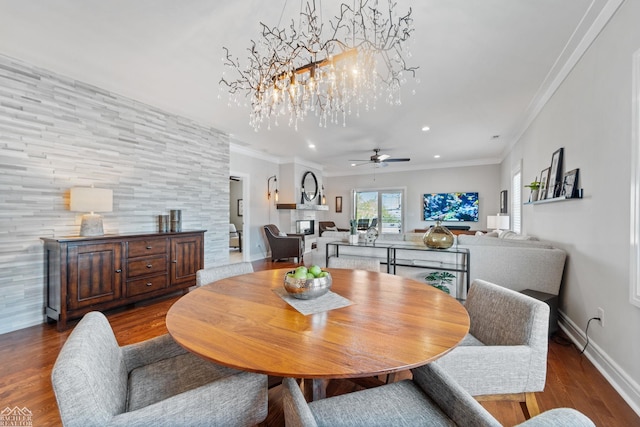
(555, 199)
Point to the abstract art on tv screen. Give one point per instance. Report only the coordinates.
(450, 207)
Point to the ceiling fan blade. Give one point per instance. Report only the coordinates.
(362, 162)
(399, 159)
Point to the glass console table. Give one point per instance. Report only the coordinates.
(383, 249)
(460, 262)
(460, 257)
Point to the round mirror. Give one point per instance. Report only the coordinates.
(309, 186)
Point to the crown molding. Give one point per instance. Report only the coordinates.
(585, 33)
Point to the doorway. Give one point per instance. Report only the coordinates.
(239, 218)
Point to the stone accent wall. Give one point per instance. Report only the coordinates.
(57, 133)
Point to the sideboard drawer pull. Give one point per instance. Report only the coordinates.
(149, 265)
(119, 270)
(149, 284)
(149, 247)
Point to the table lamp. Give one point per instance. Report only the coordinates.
(90, 199)
(498, 222)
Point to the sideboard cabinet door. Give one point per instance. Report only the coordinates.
(186, 258)
(95, 274)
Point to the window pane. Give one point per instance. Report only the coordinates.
(366, 208)
(380, 208)
(391, 212)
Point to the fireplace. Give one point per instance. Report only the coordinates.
(305, 226)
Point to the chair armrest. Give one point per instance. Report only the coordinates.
(235, 400)
(300, 235)
(463, 409)
(150, 351)
(296, 409)
(559, 417)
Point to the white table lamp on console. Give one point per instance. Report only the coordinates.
(90, 199)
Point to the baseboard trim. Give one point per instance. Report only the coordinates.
(628, 389)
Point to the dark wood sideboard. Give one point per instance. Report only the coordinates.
(100, 273)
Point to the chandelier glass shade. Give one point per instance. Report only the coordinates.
(297, 72)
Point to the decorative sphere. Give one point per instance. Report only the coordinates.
(307, 288)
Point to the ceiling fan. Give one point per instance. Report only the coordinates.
(380, 159)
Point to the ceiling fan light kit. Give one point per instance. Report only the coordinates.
(300, 71)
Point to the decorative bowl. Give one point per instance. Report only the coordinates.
(307, 288)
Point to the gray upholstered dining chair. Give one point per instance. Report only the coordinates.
(504, 356)
(154, 382)
(211, 274)
(431, 398)
(369, 264)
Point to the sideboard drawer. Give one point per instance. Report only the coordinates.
(146, 266)
(138, 248)
(150, 284)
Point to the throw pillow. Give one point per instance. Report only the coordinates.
(282, 234)
(331, 229)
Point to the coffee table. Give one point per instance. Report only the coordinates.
(393, 324)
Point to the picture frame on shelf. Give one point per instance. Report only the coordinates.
(544, 180)
(503, 201)
(570, 184)
(338, 204)
(240, 207)
(554, 186)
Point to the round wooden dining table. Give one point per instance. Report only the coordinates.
(392, 324)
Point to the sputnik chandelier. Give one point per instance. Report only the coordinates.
(295, 73)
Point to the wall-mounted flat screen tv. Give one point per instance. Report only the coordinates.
(450, 207)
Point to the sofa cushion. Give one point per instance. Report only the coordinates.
(512, 235)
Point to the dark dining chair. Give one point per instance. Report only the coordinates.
(284, 245)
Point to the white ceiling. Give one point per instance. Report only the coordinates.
(486, 66)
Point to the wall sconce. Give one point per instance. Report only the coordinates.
(275, 193)
(90, 199)
(323, 197)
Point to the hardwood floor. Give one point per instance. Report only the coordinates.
(27, 357)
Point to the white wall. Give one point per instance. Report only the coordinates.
(258, 210)
(590, 116)
(483, 179)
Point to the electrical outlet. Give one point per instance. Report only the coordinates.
(601, 316)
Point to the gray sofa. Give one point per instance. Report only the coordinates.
(513, 261)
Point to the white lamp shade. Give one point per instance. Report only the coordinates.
(89, 199)
(498, 222)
